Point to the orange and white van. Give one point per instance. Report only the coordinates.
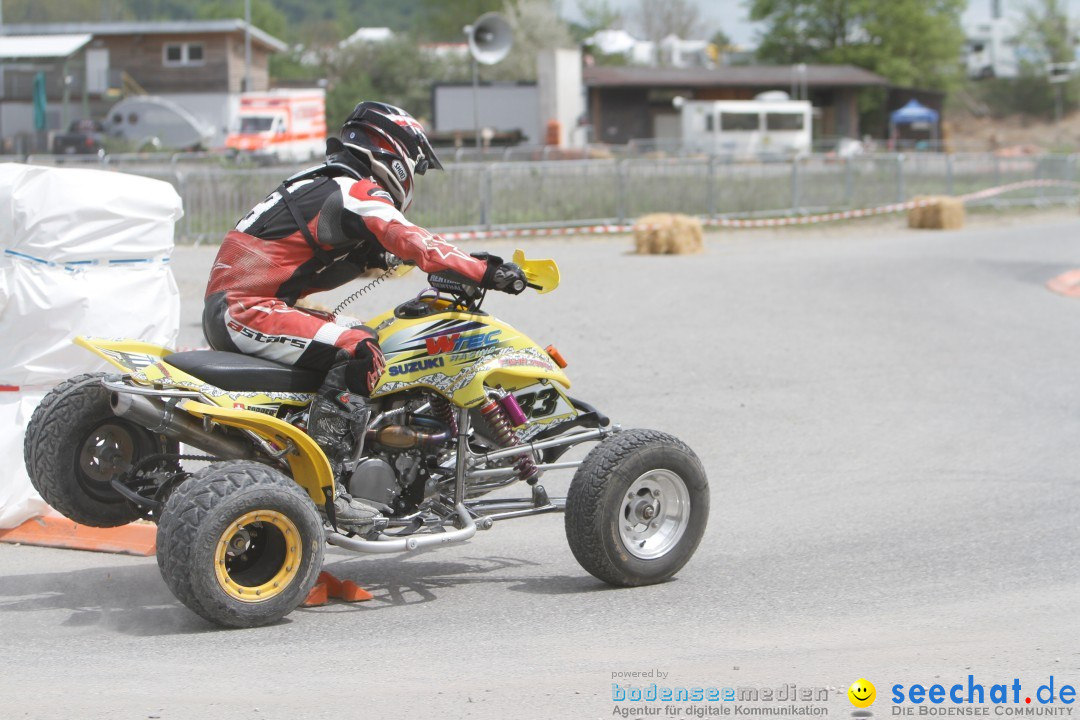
(285, 124)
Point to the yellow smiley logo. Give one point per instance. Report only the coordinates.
(862, 693)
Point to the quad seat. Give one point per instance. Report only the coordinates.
(244, 373)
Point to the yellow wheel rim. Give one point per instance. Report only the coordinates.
(258, 556)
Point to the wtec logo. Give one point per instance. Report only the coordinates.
(459, 343)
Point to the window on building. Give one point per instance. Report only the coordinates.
(783, 121)
(180, 54)
(739, 121)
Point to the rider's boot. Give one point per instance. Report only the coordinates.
(337, 421)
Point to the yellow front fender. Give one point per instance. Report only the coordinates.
(310, 468)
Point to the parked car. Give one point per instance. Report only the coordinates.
(84, 137)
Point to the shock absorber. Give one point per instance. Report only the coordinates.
(445, 413)
(497, 417)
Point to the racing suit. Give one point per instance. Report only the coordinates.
(268, 262)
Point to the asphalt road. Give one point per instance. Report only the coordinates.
(889, 423)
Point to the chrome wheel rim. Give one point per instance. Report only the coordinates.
(654, 514)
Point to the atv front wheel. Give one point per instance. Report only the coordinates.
(240, 544)
(74, 447)
(637, 508)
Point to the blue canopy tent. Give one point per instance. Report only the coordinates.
(917, 116)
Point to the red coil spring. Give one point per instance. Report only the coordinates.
(445, 413)
(504, 434)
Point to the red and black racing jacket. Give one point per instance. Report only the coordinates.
(267, 262)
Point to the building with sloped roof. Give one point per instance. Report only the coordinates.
(198, 64)
(632, 103)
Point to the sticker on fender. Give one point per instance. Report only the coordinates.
(416, 366)
(457, 342)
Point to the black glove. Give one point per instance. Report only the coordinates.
(369, 363)
(509, 278)
(503, 276)
(360, 372)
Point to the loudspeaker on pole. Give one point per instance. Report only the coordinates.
(490, 38)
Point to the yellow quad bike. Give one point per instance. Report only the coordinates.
(467, 405)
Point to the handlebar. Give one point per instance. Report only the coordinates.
(540, 275)
(452, 283)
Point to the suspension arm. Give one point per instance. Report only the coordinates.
(572, 439)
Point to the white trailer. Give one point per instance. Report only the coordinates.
(283, 124)
(746, 129)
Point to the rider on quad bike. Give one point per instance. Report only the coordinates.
(319, 230)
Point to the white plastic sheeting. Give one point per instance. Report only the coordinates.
(82, 252)
(18, 500)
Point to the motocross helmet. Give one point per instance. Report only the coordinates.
(393, 144)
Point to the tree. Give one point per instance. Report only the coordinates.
(391, 71)
(264, 15)
(45, 11)
(443, 21)
(1046, 33)
(721, 40)
(599, 15)
(537, 26)
(910, 42)
(661, 18)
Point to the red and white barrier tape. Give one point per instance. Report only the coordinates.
(753, 222)
(718, 222)
(22, 388)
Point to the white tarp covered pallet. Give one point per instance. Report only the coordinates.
(82, 252)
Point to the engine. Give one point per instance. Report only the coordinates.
(394, 471)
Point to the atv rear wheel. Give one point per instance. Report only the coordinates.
(637, 508)
(240, 544)
(74, 447)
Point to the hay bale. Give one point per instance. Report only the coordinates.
(938, 212)
(915, 214)
(668, 234)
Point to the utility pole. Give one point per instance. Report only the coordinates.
(247, 45)
(1058, 74)
(3, 94)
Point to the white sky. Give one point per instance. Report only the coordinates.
(730, 15)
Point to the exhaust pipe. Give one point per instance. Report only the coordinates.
(157, 417)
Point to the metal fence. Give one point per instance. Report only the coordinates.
(585, 192)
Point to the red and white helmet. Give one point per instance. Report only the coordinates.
(393, 143)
